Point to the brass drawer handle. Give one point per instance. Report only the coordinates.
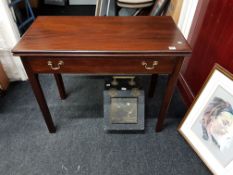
(59, 64)
(155, 63)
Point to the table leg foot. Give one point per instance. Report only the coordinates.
(52, 130)
(157, 129)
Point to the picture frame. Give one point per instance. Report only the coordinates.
(208, 124)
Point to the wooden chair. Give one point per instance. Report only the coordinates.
(22, 20)
(138, 5)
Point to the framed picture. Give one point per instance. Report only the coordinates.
(208, 124)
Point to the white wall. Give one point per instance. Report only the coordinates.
(9, 36)
(186, 16)
(185, 22)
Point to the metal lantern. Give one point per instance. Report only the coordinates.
(123, 105)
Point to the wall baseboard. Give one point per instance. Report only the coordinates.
(185, 90)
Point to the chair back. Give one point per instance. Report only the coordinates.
(22, 14)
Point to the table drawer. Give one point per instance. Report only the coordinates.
(103, 65)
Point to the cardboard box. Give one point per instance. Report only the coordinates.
(174, 9)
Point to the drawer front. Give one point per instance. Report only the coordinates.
(103, 65)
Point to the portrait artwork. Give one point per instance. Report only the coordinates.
(214, 126)
(208, 124)
(217, 123)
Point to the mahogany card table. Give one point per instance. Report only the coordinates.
(102, 46)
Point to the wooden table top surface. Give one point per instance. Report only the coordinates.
(75, 35)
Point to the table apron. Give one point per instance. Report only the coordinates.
(136, 65)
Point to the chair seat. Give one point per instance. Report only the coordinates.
(134, 1)
(138, 5)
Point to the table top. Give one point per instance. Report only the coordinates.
(75, 35)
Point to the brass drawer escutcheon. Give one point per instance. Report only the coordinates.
(59, 64)
(155, 63)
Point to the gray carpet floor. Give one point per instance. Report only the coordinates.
(81, 146)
